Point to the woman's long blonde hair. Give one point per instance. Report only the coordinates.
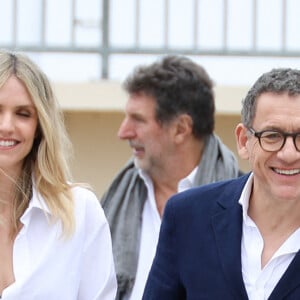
(48, 159)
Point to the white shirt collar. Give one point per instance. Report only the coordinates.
(36, 201)
(184, 184)
(187, 182)
(244, 199)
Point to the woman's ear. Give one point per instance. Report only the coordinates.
(241, 135)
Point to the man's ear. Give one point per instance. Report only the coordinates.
(241, 141)
(183, 127)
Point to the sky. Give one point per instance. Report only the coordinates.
(181, 34)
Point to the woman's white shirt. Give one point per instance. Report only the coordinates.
(47, 266)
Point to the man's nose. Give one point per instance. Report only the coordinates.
(126, 130)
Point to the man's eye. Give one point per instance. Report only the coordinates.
(272, 135)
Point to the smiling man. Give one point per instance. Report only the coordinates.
(240, 239)
(169, 124)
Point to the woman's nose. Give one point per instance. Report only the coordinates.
(6, 122)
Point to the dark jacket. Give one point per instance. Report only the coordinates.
(199, 251)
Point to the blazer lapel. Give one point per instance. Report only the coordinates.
(289, 281)
(228, 233)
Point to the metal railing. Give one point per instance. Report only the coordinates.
(105, 48)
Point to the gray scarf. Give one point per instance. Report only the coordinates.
(124, 201)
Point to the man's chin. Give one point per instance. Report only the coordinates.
(139, 164)
(136, 162)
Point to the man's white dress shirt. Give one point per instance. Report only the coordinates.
(260, 282)
(150, 231)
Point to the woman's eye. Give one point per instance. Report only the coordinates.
(24, 114)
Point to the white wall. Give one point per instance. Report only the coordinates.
(94, 113)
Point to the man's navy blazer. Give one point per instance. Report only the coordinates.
(199, 251)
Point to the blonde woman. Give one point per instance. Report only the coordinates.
(54, 238)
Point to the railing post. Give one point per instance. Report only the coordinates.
(43, 23)
(15, 23)
(105, 39)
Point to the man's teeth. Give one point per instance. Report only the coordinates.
(287, 172)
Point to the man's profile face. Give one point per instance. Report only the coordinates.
(149, 140)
